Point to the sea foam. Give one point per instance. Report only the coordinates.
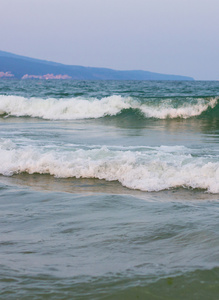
(153, 170)
(78, 108)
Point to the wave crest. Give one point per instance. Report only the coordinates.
(153, 169)
(77, 108)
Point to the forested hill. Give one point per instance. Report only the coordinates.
(22, 67)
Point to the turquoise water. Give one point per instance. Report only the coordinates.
(109, 190)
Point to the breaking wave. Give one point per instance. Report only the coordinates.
(78, 108)
(146, 169)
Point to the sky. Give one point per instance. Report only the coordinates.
(178, 37)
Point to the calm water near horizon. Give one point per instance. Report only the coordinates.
(109, 189)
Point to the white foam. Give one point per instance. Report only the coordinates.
(165, 109)
(78, 108)
(144, 170)
(55, 109)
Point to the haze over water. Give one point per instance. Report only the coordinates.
(109, 190)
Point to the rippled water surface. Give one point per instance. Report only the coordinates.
(109, 190)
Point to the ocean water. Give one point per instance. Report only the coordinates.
(109, 190)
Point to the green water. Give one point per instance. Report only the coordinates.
(109, 190)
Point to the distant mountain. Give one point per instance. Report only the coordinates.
(22, 67)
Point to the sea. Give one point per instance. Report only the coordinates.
(109, 189)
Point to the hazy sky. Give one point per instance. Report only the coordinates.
(166, 36)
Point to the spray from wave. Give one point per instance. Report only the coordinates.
(77, 108)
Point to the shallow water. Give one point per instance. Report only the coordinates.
(99, 199)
